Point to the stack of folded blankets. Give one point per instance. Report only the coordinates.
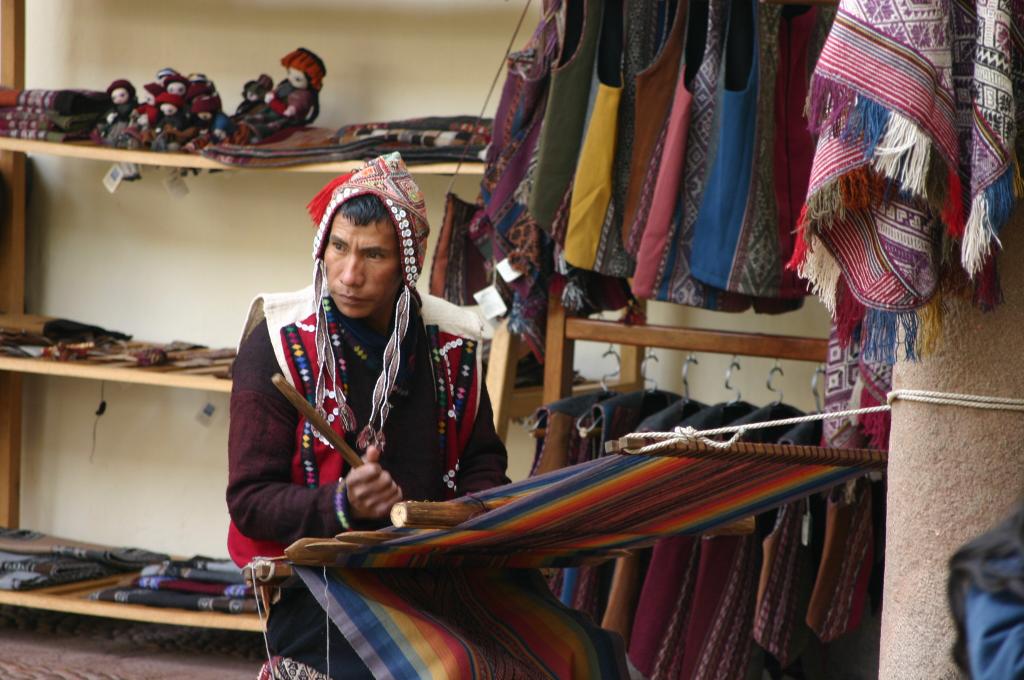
(198, 584)
(50, 115)
(29, 559)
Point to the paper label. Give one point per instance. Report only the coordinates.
(491, 304)
(805, 529)
(130, 171)
(112, 180)
(508, 273)
(175, 184)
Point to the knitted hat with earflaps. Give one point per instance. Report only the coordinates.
(387, 178)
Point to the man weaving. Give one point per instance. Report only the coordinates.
(397, 374)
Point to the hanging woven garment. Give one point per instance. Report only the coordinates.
(917, 109)
(663, 258)
(592, 184)
(505, 188)
(564, 120)
(735, 234)
(655, 86)
(647, 25)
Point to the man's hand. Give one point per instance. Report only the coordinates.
(371, 491)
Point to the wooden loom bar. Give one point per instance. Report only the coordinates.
(432, 515)
(699, 340)
(781, 453)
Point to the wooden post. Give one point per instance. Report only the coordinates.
(501, 376)
(558, 354)
(12, 261)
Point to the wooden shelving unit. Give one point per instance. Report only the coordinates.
(94, 371)
(94, 152)
(73, 599)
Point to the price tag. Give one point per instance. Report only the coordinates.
(508, 273)
(115, 175)
(175, 184)
(491, 304)
(130, 171)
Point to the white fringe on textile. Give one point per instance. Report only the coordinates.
(903, 154)
(978, 236)
(822, 270)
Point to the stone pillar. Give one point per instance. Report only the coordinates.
(953, 472)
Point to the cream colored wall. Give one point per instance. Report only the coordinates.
(164, 268)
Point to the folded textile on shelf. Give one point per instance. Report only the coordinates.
(422, 140)
(197, 569)
(163, 598)
(199, 583)
(50, 115)
(27, 542)
(26, 572)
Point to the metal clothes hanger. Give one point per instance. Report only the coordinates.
(649, 356)
(819, 405)
(733, 365)
(690, 359)
(772, 372)
(618, 367)
(587, 430)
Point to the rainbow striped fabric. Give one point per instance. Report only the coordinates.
(457, 616)
(581, 512)
(463, 623)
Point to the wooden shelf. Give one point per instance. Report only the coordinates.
(697, 340)
(90, 151)
(92, 371)
(72, 598)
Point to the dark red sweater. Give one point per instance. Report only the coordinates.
(262, 500)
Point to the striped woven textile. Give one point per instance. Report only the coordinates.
(918, 108)
(463, 623)
(615, 502)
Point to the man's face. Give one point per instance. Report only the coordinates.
(119, 96)
(363, 270)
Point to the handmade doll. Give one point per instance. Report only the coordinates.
(117, 119)
(147, 112)
(176, 84)
(163, 74)
(212, 124)
(173, 128)
(204, 108)
(139, 132)
(194, 78)
(253, 93)
(294, 102)
(196, 90)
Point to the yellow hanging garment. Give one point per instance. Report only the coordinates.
(592, 187)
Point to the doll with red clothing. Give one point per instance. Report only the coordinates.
(294, 102)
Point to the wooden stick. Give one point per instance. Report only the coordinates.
(780, 453)
(303, 406)
(426, 515)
